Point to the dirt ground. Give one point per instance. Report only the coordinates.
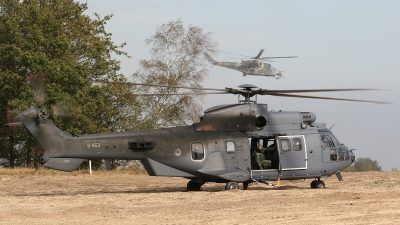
(109, 198)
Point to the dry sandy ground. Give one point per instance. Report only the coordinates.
(109, 198)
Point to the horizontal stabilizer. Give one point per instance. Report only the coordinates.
(64, 164)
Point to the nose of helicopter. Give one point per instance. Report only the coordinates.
(352, 156)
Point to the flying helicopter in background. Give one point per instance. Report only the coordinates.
(255, 66)
(232, 143)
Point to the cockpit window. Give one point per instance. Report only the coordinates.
(335, 141)
(343, 154)
(337, 151)
(326, 141)
(197, 151)
(333, 153)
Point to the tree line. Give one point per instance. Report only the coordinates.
(363, 164)
(54, 56)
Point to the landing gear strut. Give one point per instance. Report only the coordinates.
(317, 184)
(245, 185)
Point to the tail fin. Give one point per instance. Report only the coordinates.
(209, 58)
(52, 140)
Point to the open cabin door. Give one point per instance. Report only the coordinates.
(269, 150)
(292, 152)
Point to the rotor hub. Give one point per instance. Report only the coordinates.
(246, 91)
(43, 113)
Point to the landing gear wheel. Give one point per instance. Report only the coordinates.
(41, 160)
(245, 185)
(320, 184)
(314, 184)
(231, 186)
(193, 186)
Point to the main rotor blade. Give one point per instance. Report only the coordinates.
(187, 93)
(281, 93)
(260, 59)
(265, 60)
(238, 54)
(269, 92)
(278, 57)
(160, 85)
(326, 98)
(259, 54)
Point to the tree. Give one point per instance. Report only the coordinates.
(364, 164)
(54, 38)
(177, 60)
(367, 164)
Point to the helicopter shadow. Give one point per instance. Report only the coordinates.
(146, 190)
(274, 188)
(101, 192)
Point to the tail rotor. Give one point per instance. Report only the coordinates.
(65, 107)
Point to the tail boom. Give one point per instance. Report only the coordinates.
(65, 152)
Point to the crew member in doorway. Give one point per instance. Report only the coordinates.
(259, 156)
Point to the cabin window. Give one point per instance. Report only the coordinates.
(230, 147)
(297, 144)
(197, 151)
(285, 144)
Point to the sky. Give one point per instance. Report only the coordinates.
(339, 44)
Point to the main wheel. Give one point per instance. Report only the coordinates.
(189, 186)
(320, 184)
(193, 186)
(314, 184)
(231, 186)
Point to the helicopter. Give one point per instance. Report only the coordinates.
(219, 148)
(256, 66)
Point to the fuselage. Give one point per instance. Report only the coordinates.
(219, 148)
(252, 67)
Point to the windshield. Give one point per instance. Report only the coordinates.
(335, 140)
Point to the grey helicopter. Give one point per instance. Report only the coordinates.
(256, 66)
(221, 147)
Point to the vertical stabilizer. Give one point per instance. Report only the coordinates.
(46, 133)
